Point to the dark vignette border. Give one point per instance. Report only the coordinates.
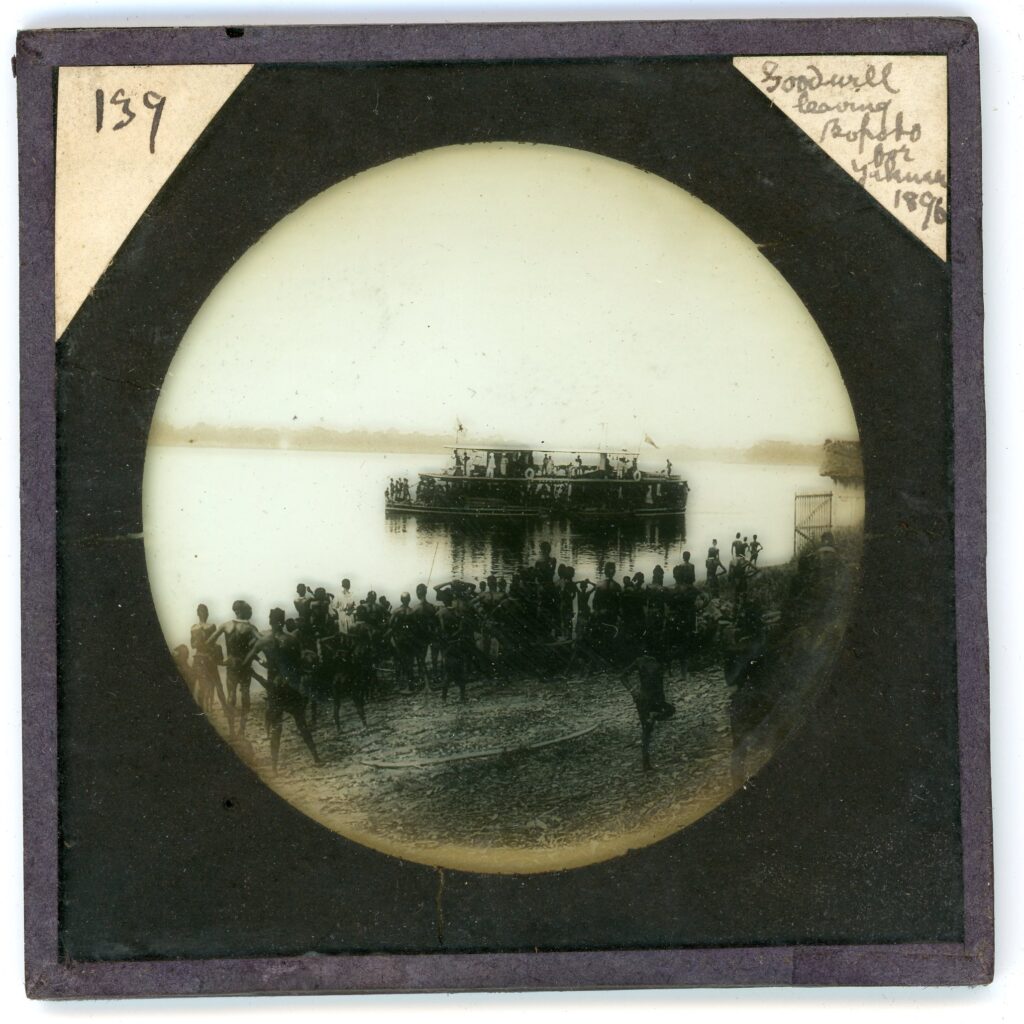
(39, 53)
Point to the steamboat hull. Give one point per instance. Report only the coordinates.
(579, 514)
(583, 499)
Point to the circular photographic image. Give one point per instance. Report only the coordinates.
(503, 508)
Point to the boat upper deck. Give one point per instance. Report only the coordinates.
(631, 453)
(520, 464)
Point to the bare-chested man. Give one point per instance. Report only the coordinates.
(689, 572)
(426, 635)
(403, 639)
(756, 547)
(282, 655)
(453, 626)
(681, 619)
(604, 624)
(490, 634)
(655, 609)
(303, 603)
(713, 566)
(546, 563)
(206, 657)
(607, 596)
(567, 590)
(649, 698)
(239, 636)
(633, 607)
(320, 619)
(181, 661)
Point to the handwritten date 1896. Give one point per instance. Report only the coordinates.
(150, 100)
(931, 206)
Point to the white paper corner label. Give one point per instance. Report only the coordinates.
(882, 118)
(121, 132)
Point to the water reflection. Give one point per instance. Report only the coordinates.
(473, 550)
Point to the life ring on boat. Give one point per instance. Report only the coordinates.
(530, 473)
(637, 475)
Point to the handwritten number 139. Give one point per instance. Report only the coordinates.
(150, 100)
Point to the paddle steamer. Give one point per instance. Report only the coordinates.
(539, 483)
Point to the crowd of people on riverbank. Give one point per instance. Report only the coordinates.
(542, 622)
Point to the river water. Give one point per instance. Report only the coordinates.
(221, 524)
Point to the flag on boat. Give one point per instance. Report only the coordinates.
(649, 440)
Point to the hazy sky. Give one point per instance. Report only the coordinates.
(533, 292)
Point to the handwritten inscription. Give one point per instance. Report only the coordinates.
(926, 201)
(864, 113)
(125, 114)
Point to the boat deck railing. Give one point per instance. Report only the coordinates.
(547, 479)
